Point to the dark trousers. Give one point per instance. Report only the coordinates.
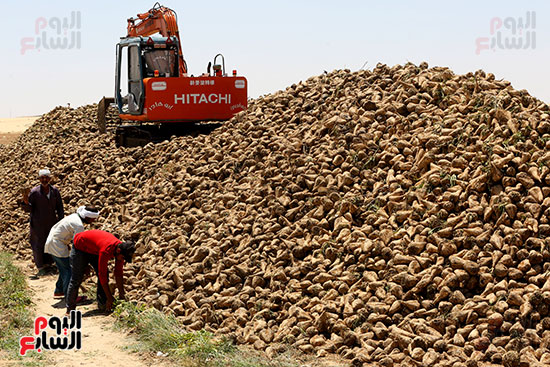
(64, 268)
(79, 262)
(38, 241)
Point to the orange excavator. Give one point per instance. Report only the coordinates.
(152, 83)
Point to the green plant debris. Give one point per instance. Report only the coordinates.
(162, 334)
(17, 317)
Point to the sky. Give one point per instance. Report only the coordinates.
(274, 44)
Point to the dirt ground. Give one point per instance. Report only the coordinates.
(11, 128)
(101, 346)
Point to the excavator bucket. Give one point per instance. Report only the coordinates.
(102, 107)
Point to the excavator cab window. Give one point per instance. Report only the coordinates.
(162, 60)
(129, 91)
(134, 79)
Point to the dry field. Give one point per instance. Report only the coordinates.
(11, 128)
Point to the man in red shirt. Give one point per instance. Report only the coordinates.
(96, 248)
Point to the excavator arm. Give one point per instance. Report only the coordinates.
(159, 19)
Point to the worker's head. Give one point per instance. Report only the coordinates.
(44, 176)
(126, 250)
(88, 213)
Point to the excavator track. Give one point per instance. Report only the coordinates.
(134, 134)
(142, 134)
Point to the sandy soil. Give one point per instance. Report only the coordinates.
(17, 124)
(6, 138)
(101, 346)
(11, 128)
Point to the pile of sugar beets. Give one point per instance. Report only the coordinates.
(398, 216)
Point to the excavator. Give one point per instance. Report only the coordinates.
(152, 83)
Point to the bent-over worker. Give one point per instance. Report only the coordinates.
(96, 248)
(58, 244)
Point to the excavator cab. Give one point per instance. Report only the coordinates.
(139, 58)
(152, 85)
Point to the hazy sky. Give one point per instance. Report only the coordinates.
(273, 43)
